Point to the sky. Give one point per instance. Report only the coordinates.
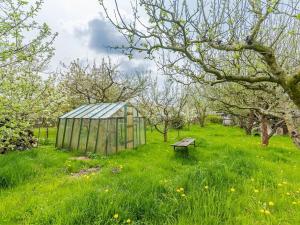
(84, 33)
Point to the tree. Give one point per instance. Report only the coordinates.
(22, 39)
(270, 109)
(100, 83)
(244, 41)
(26, 48)
(25, 98)
(162, 103)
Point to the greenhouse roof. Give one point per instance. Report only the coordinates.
(94, 111)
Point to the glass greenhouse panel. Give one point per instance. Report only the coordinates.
(112, 136)
(92, 135)
(121, 134)
(75, 134)
(68, 132)
(102, 137)
(83, 135)
(135, 133)
(60, 134)
(129, 128)
(142, 131)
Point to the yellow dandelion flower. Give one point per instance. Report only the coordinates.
(181, 189)
(256, 191)
(178, 190)
(284, 182)
(262, 211)
(267, 212)
(279, 185)
(288, 193)
(294, 203)
(128, 221)
(116, 216)
(206, 187)
(183, 195)
(271, 203)
(121, 167)
(106, 190)
(232, 189)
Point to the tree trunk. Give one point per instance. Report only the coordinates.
(264, 131)
(250, 123)
(165, 136)
(166, 131)
(47, 132)
(293, 130)
(202, 117)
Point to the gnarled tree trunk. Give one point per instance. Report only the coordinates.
(293, 129)
(264, 130)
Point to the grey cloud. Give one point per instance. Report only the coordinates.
(102, 36)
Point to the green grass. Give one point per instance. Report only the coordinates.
(36, 186)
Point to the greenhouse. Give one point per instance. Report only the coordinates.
(103, 128)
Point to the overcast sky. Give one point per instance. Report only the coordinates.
(84, 33)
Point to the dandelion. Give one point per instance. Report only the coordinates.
(178, 190)
(262, 211)
(284, 182)
(232, 189)
(121, 167)
(128, 221)
(267, 212)
(294, 203)
(279, 185)
(271, 203)
(183, 195)
(181, 189)
(206, 187)
(116, 216)
(288, 193)
(256, 191)
(106, 190)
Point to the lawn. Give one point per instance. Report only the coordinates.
(227, 179)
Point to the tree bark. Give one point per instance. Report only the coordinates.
(250, 123)
(166, 131)
(293, 130)
(264, 131)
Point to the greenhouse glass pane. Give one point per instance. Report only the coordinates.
(102, 137)
(121, 134)
(75, 134)
(129, 128)
(60, 134)
(135, 133)
(67, 115)
(112, 136)
(68, 131)
(88, 110)
(83, 135)
(142, 131)
(92, 136)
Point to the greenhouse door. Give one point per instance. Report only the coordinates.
(129, 127)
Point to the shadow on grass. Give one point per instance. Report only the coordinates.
(186, 156)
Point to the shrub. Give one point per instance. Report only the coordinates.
(215, 119)
(177, 122)
(15, 135)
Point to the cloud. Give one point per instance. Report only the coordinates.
(101, 36)
(135, 65)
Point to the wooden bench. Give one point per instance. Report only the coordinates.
(184, 143)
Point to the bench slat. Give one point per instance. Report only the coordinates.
(184, 143)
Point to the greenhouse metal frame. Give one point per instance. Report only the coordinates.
(103, 128)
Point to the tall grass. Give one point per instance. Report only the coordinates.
(227, 179)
